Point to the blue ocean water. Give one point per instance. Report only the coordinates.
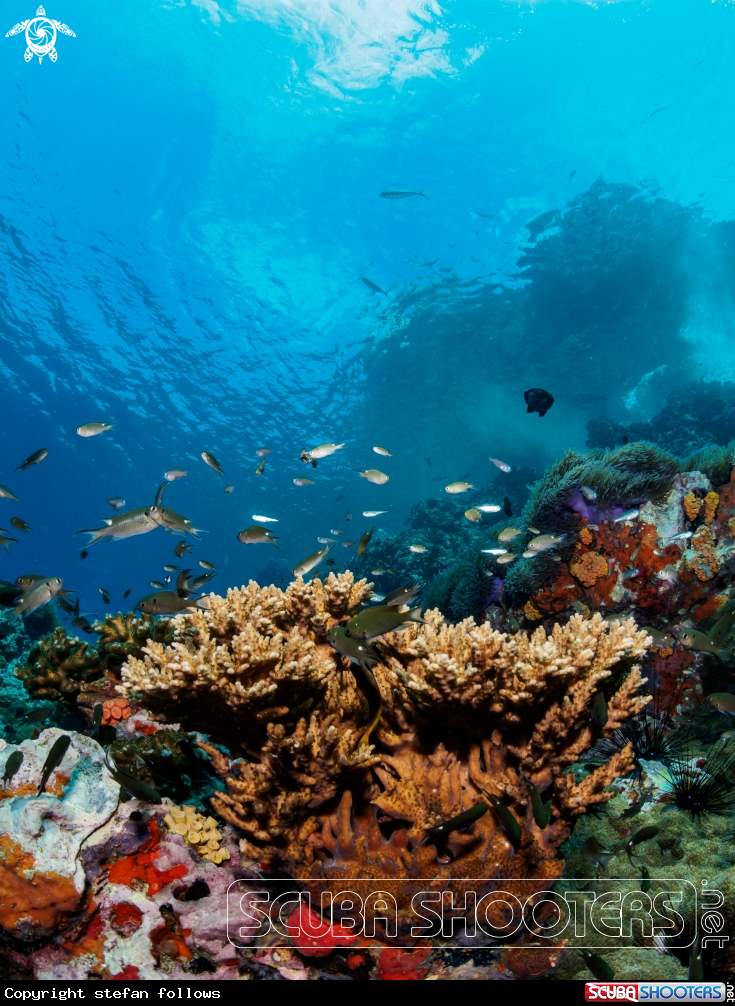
(189, 199)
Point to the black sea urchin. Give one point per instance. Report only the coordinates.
(706, 785)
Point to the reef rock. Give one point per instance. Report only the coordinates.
(41, 836)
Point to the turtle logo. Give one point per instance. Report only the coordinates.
(40, 35)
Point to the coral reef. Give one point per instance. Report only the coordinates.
(310, 790)
(63, 667)
(696, 418)
(41, 878)
(197, 830)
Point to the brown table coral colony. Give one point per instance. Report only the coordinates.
(468, 713)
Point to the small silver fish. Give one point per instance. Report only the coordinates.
(529, 554)
(167, 602)
(257, 535)
(378, 478)
(116, 502)
(213, 463)
(382, 450)
(505, 558)
(629, 574)
(333, 530)
(262, 451)
(544, 541)
(682, 536)
(174, 473)
(628, 515)
(40, 592)
(500, 464)
(265, 520)
(418, 548)
(458, 487)
(158, 585)
(229, 488)
(496, 551)
(6, 494)
(323, 451)
(171, 568)
(373, 513)
(589, 494)
(311, 561)
(303, 482)
(668, 574)
(206, 565)
(93, 429)
(533, 530)
(401, 193)
(489, 507)
(508, 534)
(327, 541)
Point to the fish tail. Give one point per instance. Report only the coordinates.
(725, 655)
(202, 602)
(414, 615)
(422, 193)
(98, 533)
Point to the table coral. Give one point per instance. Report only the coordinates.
(589, 568)
(309, 791)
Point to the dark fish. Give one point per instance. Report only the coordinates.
(33, 459)
(599, 710)
(373, 287)
(261, 468)
(80, 622)
(166, 602)
(54, 759)
(541, 810)
(595, 853)
(511, 827)
(645, 879)
(376, 621)
(96, 719)
(719, 630)
(4, 542)
(439, 834)
(538, 400)
(136, 787)
(365, 541)
(8, 593)
(37, 715)
(182, 548)
(65, 605)
(597, 965)
(193, 584)
(696, 970)
(20, 525)
(330, 562)
(572, 174)
(642, 835)
(507, 507)
(14, 762)
(338, 498)
(403, 595)
(105, 595)
(127, 593)
(400, 194)
(83, 554)
(634, 809)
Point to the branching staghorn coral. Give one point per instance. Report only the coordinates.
(459, 702)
